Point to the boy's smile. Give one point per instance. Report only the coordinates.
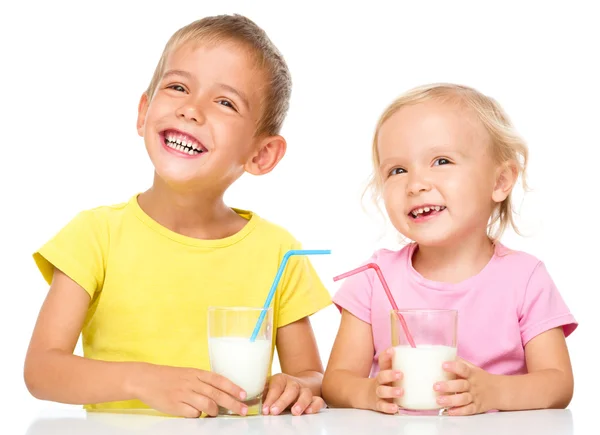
(182, 144)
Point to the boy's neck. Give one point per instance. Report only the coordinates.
(456, 262)
(198, 215)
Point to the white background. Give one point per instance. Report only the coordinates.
(72, 75)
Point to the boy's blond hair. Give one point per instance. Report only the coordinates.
(507, 145)
(241, 30)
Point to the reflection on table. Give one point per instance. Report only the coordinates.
(329, 421)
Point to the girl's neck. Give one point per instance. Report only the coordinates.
(454, 263)
(199, 215)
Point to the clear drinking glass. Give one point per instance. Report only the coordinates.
(245, 363)
(434, 335)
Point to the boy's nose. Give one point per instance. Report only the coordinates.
(190, 113)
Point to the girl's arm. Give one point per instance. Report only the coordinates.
(548, 383)
(52, 372)
(346, 382)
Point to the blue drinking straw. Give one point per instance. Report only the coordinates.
(286, 257)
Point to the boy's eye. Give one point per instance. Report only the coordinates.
(441, 161)
(397, 171)
(227, 103)
(177, 88)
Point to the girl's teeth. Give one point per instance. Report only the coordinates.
(416, 213)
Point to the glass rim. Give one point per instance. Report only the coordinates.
(234, 308)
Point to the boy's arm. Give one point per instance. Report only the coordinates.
(299, 384)
(52, 372)
(299, 354)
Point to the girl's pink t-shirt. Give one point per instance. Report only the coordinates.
(512, 300)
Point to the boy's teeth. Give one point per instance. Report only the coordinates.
(179, 143)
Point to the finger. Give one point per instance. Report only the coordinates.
(469, 409)
(386, 407)
(289, 395)
(464, 361)
(315, 406)
(220, 398)
(202, 403)
(459, 368)
(304, 400)
(221, 383)
(187, 411)
(276, 387)
(385, 392)
(385, 359)
(455, 400)
(388, 376)
(454, 386)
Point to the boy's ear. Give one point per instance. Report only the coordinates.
(270, 152)
(506, 177)
(142, 110)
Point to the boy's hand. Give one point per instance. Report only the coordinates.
(285, 390)
(382, 393)
(186, 392)
(469, 393)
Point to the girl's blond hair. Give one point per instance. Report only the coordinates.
(507, 145)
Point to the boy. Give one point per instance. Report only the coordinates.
(136, 279)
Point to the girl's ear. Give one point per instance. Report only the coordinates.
(506, 177)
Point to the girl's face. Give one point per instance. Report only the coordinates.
(440, 180)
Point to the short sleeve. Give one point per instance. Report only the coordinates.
(354, 295)
(78, 250)
(302, 292)
(543, 307)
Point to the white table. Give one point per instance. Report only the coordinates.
(330, 421)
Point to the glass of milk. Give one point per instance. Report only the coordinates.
(434, 334)
(235, 357)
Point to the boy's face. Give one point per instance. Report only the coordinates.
(199, 126)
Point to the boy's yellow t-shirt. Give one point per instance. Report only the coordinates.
(150, 287)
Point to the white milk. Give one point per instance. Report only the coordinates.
(244, 363)
(422, 368)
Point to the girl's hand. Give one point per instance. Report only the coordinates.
(285, 390)
(382, 393)
(469, 393)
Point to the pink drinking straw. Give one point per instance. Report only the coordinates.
(387, 292)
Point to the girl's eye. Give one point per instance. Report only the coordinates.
(227, 103)
(441, 161)
(397, 171)
(177, 88)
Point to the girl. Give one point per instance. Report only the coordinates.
(446, 159)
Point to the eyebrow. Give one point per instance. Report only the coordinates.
(177, 72)
(237, 92)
